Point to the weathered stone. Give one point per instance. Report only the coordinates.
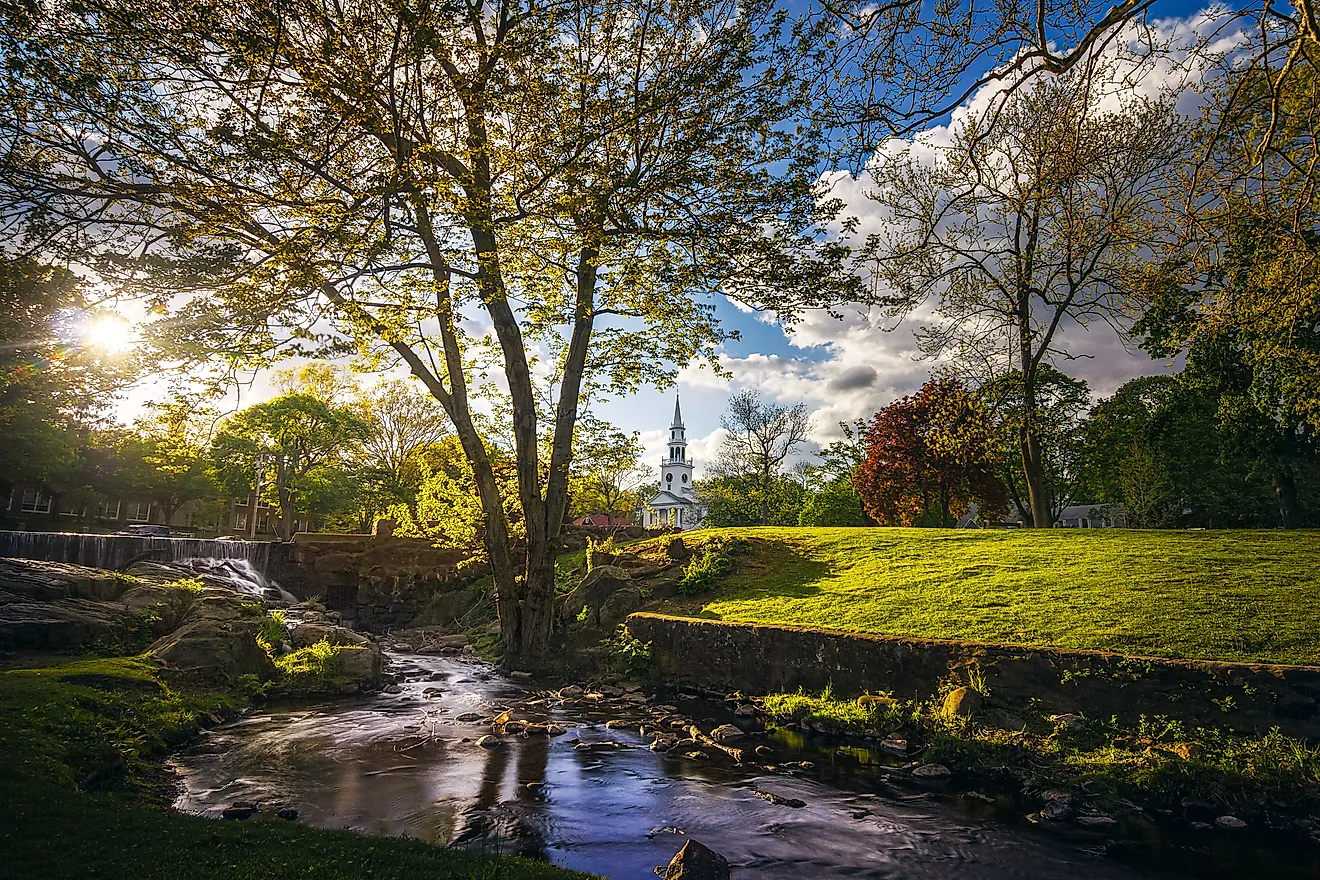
(1097, 822)
(931, 771)
(747, 710)
(677, 550)
(963, 702)
(596, 589)
(1069, 721)
(1232, 823)
(697, 862)
(778, 800)
(468, 717)
(726, 733)
(488, 741)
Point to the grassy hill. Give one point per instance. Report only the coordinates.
(1219, 595)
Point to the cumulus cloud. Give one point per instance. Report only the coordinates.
(847, 366)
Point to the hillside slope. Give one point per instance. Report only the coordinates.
(1220, 595)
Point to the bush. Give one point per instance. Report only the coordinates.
(711, 562)
(311, 669)
(273, 633)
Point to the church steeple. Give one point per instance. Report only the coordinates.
(677, 435)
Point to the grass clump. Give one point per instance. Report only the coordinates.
(1238, 595)
(313, 669)
(866, 715)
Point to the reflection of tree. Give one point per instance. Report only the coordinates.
(491, 823)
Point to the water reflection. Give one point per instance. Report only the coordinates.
(405, 764)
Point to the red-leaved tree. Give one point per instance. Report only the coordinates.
(928, 457)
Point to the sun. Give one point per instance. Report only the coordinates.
(109, 333)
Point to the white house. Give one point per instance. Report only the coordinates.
(675, 505)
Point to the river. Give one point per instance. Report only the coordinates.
(404, 764)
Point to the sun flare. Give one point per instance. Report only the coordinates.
(108, 332)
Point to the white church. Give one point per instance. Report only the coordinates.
(675, 505)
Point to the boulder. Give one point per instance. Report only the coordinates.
(619, 605)
(963, 702)
(359, 667)
(596, 589)
(697, 862)
(677, 550)
(725, 733)
(212, 645)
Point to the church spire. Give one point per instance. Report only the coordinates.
(678, 414)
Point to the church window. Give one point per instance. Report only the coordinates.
(685, 478)
(669, 478)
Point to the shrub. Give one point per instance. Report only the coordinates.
(713, 561)
(273, 633)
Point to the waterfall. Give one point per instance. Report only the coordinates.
(240, 565)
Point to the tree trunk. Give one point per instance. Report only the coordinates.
(1033, 470)
(944, 506)
(284, 498)
(1285, 490)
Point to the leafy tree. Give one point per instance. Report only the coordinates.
(759, 438)
(168, 456)
(608, 474)
(1146, 489)
(1061, 402)
(929, 457)
(741, 500)
(1029, 222)
(834, 504)
(577, 178)
(448, 509)
(1115, 429)
(292, 445)
(53, 383)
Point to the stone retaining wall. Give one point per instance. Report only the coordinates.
(378, 582)
(759, 659)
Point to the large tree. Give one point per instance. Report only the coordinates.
(471, 188)
(293, 447)
(1061, 402)
(759, 438)
(1027, 225)
(929, 457)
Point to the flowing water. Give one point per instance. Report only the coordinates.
(238, 565)
(405, 764)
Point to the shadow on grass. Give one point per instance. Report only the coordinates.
(773, 568)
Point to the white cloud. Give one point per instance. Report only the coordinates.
(853, 365)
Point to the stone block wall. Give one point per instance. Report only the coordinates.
(757, 659)
(378, 582)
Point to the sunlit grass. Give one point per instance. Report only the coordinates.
(1226, 595)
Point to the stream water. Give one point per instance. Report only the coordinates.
(409, 764)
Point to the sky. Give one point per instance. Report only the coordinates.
(842, 368)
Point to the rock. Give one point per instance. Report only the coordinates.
(661, 744)
(697, 862)
(763, 752)
(676, 550)
(596, 591)
(778, 800)
(894, 744)
(726, 733)
(620, 724)
(859, 814)
(1069, 721)
(1098, 822)
(624, 601)
(288, 815)
(746, 710)
(932, 771)
(358, 668)
(1058, 806)
(1199, 809)
(572, 692)
(240, 810)
(432, 693)
(1201, 826)
(963, 702)
(488, 741)
(469, 717)
(1230, 822)
(392, 689)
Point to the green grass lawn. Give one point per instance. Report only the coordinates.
(1219, 595)
(83, 791)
